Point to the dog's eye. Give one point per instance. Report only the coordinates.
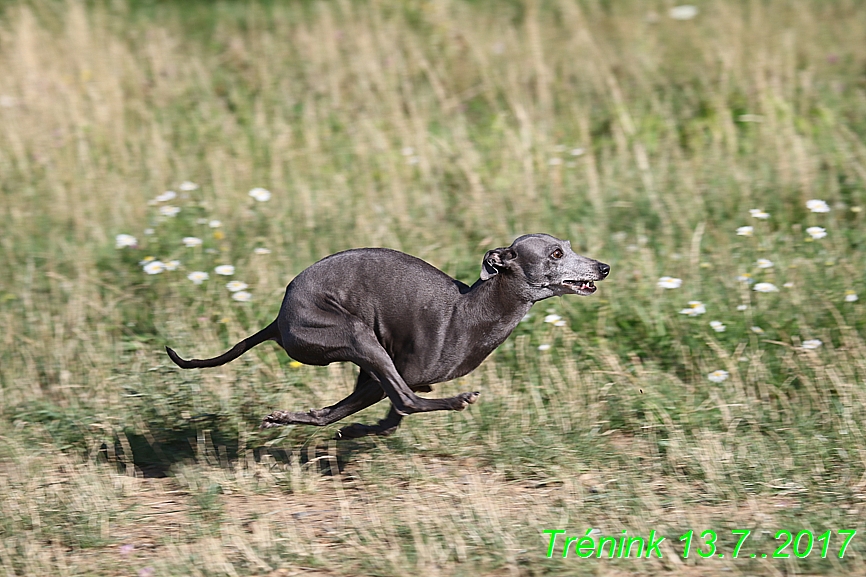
(557, 253)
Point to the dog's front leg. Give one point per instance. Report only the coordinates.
(385, 427)
(372, 358)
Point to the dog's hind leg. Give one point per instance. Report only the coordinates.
(367, 392)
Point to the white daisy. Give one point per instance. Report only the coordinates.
(695, 308)
(669, 282)
(757, 330)
(684, 12)
(745, 231)
(817, 205)
(816, 232)
(166, 196)
(552, 318)
(718, 376)
(746, 278)
(169, 211)
(172, 265)
(236, 286)
(215, 224)
(543, 347)
(811, 344)
(560, 324)
(191, 241)
(850, 297)
(198, 276)
(742, 307)
(765, 287)
(759, 213)
(764, 263)
(242, 296)
(526, 317)
(225, 270)
(260, 194)
(125, 240)
(154, 267)
(187, 186)
(718, 326)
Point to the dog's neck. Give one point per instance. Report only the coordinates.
(498, 302)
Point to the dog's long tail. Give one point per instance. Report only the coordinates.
(270, 332)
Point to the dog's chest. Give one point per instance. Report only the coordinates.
(433, 355)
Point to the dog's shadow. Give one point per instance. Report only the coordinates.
(162, 440)
(204, 442)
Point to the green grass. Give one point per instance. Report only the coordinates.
(443, 129)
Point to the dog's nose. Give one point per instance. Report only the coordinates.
(604, 269)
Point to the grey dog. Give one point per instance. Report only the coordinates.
(407, 324)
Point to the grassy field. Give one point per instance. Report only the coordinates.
(442, 129)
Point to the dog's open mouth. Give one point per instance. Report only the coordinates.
(581, 287)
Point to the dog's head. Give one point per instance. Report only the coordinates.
(546, 266)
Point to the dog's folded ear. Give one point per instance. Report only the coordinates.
(496, 260)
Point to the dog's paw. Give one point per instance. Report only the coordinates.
(275, 419)
(353, 431)
(357, 430)
(466, 399)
